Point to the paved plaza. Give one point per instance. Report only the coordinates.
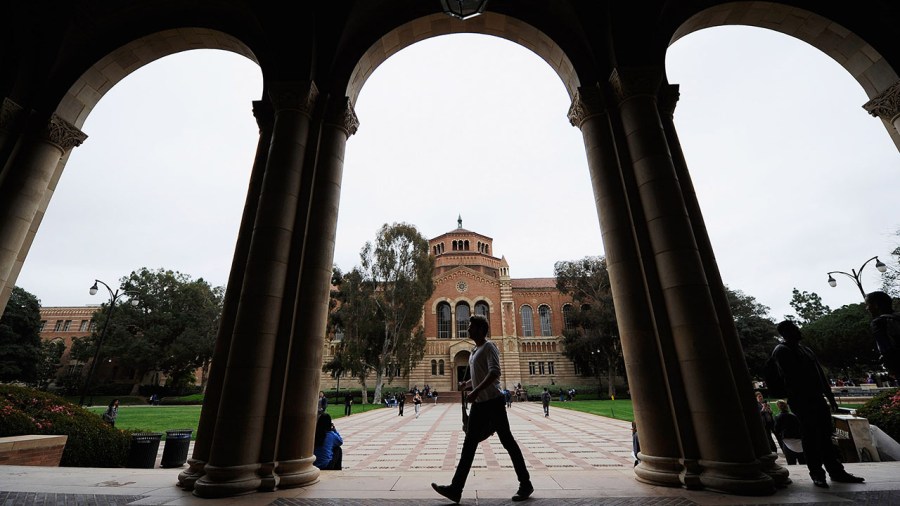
(574, 458)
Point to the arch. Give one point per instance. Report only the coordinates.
(545, 316)
(440, 367)
(527, 315)
(489, 23)
(434, 367)
(463, 311)
(870, 69)
(444, 320)
(483, 308)
(567, 316)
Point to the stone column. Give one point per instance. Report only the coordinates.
(24, 189)
(646, 376)
(298, 425)
(234, 460)
(886, 106)
(668, 97)
(728, 460)
(12, 117)
(196, 464)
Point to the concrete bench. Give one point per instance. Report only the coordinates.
(32, 450)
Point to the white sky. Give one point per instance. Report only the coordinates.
(795, 179)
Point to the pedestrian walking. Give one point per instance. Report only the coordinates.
(348, 401)
(545, 402)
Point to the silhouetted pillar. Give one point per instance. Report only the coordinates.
(234, 460)
(646, 375)
(25, 188)
(728, 460)
(668, 97)
(12, 116)
(213, 394)
(295, 453)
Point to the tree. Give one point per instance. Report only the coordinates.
(755, 329)
(591, 337)
(808, 306)
(20, 339)
(390, 287)
(843, 342)
(171, 327)
(890, 279)
(50, 362)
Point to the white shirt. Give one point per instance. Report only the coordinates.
(484, 360)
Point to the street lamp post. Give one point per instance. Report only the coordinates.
(855, 275)
(113, 298)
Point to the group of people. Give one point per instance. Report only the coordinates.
(348, 403)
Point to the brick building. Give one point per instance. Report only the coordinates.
(527, 317)
(65, 324)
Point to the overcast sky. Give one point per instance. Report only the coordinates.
(794, 178)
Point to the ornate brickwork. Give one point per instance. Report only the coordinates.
(886, 105)
(63, 134)
(588, 102)
(298, 96)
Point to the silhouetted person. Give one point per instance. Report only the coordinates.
(486, 416)
(348, 401)
(768, 419)
(886, 330)
(807, 388)
(789, 434)
(328, 441)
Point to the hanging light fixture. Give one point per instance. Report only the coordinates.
(463, 9)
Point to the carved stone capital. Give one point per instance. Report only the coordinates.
(343, 116)
(630, 82)
(886, 105)
(264, 114)
(588, 102)
(295, 95)
(11, 114)
(667, 98)
(63, 134)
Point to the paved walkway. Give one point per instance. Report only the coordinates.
(574, 458)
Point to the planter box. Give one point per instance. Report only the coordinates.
(32, 450)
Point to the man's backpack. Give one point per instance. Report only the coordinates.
(774, 379)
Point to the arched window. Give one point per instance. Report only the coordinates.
(544, 313)
(482, 308)
(487, 249)
(567, 317)
(462, 320)
(466, 245)
(527, 321)
(440, 367)
(434, 367)
(443, 320)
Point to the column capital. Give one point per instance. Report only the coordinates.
(294, 95)
(264, 114)
(667, 99)
(886, 105)
(62, 133)
(587, 102)
(628, 82)
(343, 116)
(11, 114)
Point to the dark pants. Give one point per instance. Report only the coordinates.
(401, 410)
(346, 409)
(486, 418)
(791, 456)
(817, 427)
(337, 460)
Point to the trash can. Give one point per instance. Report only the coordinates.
(175, 451)
(143, 451)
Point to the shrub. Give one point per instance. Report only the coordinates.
(91, 442)
(182, 401)
(883, 410)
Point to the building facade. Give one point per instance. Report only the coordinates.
(65, 324)
(527, 318)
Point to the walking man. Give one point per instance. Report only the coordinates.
(545, 401)
(486, 416)
(807, 388)
(348, 401)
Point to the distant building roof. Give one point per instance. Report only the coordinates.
(534, 283)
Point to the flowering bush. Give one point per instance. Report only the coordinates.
(91, 442)
(884, 411)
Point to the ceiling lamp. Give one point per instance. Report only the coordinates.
(463, 9)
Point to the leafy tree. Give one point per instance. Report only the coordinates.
(890, 280)
(843, 342)
(394, 281)
(50, 362)
(755, 329)
(808, 306)
(591, 339)
(20, 340)
(171, 327)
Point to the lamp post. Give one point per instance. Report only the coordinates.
(113, 298)
(855, 275)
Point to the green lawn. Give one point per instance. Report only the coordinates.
(619, 409)
(162, 418)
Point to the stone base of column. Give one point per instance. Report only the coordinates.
(664, 471)
(297, 473)
(268, 479)
(736, 478)
(690, 474)
(189, 476)
(228, 481)
(780, 475)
